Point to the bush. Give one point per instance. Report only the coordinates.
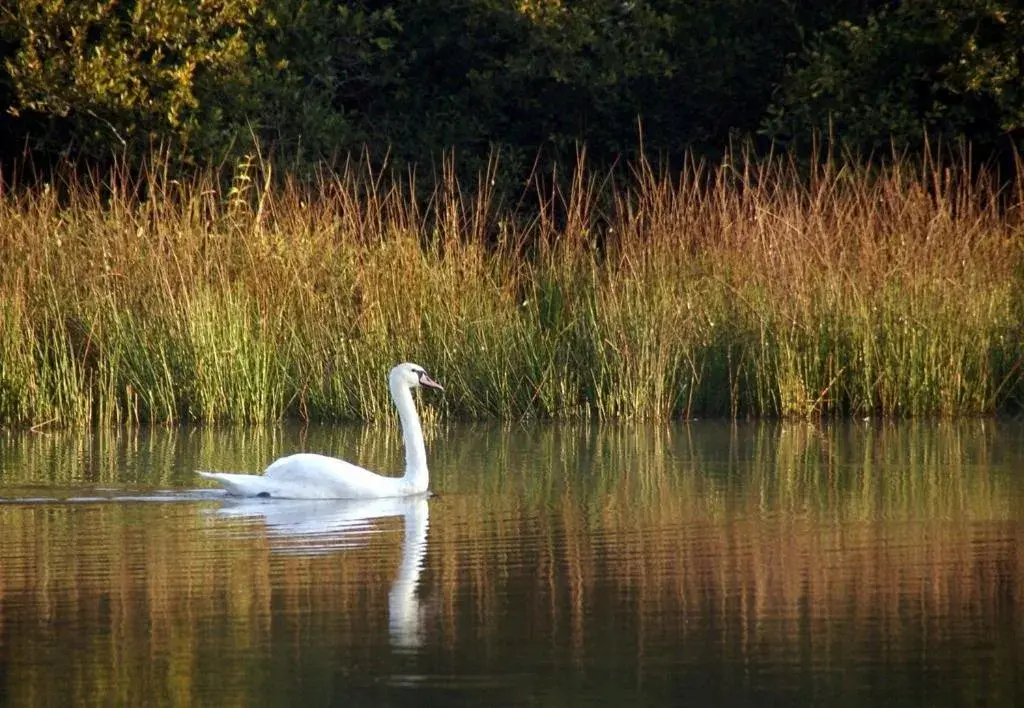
(949, 69)
(111, 74)
(316, 79)
(409, 79)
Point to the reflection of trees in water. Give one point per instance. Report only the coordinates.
(768, 541)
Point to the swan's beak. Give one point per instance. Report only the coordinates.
(428, 382)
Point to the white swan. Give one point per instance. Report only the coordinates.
(311, 476)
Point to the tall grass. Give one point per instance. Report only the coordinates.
(746, 289)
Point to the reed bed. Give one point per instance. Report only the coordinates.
(744, 289)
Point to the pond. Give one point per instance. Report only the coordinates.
(701, 564)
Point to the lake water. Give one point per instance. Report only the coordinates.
(703, 564)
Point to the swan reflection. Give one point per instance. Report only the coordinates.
(322, 526)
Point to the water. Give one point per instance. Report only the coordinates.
(570, 565)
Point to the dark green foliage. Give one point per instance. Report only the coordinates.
(201, 80)
(97, 76)
(411, 80)
(948, 69)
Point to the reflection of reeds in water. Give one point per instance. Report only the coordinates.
(786, 544)
(143, 607)
(904, 526)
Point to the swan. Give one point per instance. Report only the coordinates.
(311, 476)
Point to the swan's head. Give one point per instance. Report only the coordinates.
(412, 376)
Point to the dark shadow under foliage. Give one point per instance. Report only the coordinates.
(408, 81)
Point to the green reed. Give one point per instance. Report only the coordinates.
(748, 289)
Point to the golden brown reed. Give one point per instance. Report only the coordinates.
(750, 288)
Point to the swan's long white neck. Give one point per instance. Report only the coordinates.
(416, 475)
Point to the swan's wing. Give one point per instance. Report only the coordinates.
(307, 466)
(327, 477)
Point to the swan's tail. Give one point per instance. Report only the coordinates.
(241, 485)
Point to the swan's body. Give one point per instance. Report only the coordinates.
(311, 476)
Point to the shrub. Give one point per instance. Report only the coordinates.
(948, 69)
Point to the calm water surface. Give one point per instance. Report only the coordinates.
(707, 564)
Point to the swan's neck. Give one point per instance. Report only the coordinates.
(416, 474)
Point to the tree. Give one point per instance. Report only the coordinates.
(946, 68)
(109, 73)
